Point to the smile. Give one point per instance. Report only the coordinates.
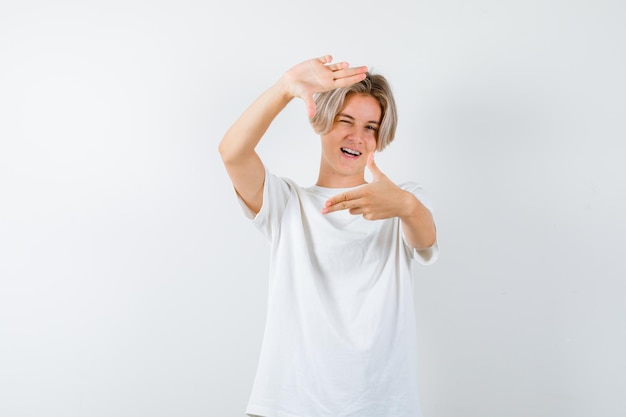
(350, 152)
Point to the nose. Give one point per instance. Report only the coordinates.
(355, 134)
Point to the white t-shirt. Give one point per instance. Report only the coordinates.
(340, 328)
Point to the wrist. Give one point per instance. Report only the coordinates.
(410, 206)
(282, 89)
(289, 84)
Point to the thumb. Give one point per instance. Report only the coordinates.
(373, 168)
(310, 105)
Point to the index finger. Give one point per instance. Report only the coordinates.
(341, 201)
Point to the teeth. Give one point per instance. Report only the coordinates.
(351, 152)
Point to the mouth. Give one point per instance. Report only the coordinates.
(350, 152)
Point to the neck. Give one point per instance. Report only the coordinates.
(340, 181)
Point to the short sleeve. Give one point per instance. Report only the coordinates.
(276, 194)
(429, 255)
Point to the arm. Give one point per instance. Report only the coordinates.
(382, 199)
(418, 224)
(237, 148)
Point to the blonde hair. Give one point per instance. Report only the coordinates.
(329, 103)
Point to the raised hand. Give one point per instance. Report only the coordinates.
(318, 75)
(380, 199)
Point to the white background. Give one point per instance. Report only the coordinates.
(131, 284)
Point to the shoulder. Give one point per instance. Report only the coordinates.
(272, 179)
(419, 191)
(411, 186)
(279, 190)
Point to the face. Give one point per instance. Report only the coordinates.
(345, 148)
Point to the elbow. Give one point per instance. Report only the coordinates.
(233, 152)
(425, 244)
(226, 152)
(431, 237)
(426, 239)
(222, 149)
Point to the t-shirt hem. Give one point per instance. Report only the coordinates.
(427, 256)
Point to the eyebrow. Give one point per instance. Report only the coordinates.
(352, 118)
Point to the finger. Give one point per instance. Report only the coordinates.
(326, 59)
(350, 72)
(373, 168)
(345, 82)
(349, 76)
(344, 204)
(309, 102)
(356, 210)
(338, 66)
(347, 71)
(343, 197)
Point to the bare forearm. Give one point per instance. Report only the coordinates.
(243, 136)
(418, 224)
(237, 148)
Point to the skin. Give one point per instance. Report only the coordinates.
(355, 128)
